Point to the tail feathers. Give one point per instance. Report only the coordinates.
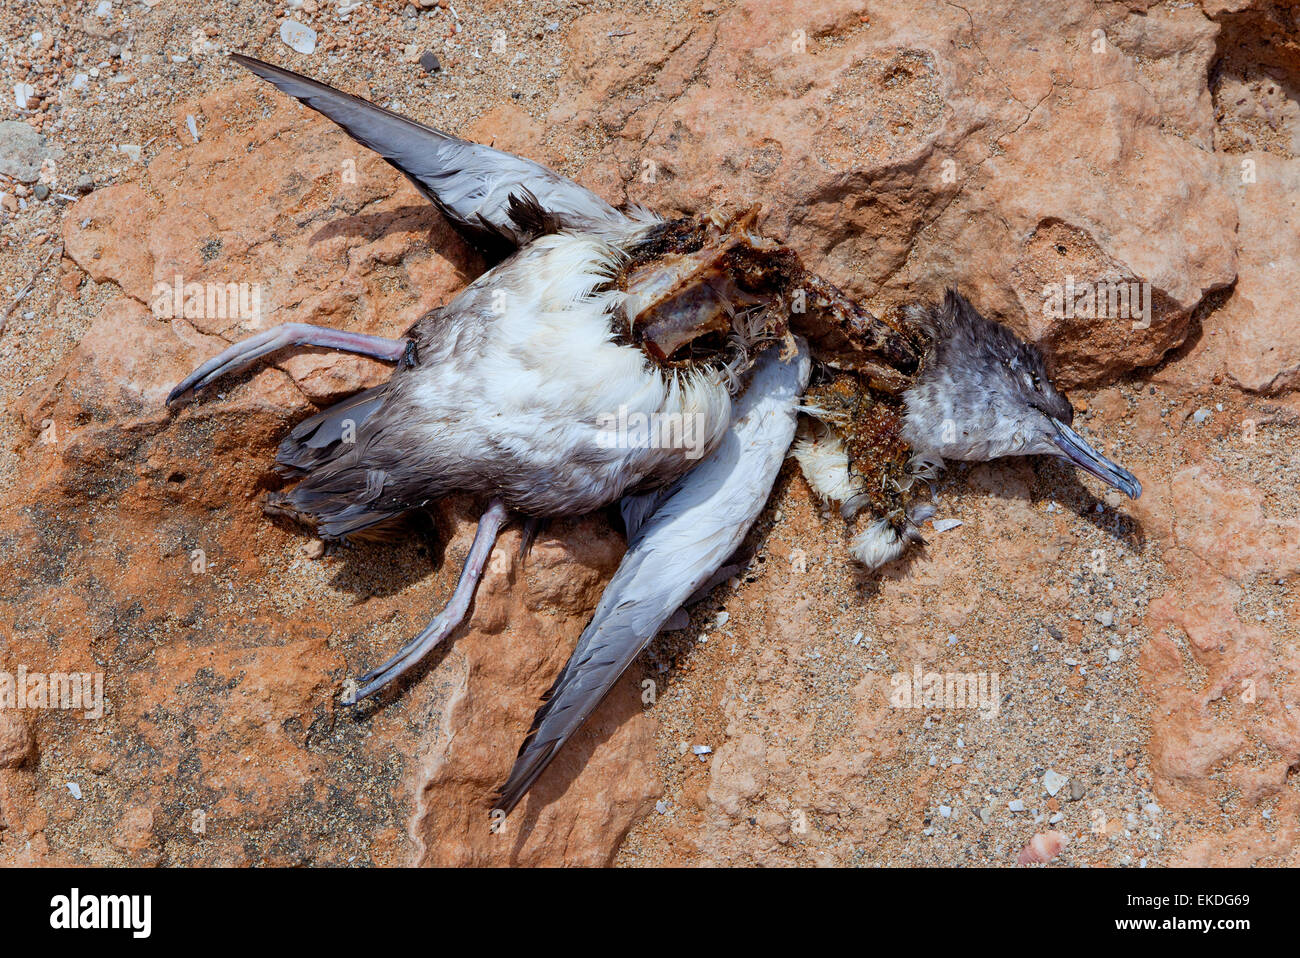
(332, 518)
(339, 498)
(497, 200)
(319, 439)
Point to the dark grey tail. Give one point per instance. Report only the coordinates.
(334, 498)
(318, 439)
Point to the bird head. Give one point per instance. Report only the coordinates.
(985, 393)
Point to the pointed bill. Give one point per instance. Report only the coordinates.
(1075, 448)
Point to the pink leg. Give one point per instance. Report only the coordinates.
(446, 621)
(244, 353)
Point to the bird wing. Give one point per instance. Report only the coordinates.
(696, 527)
(497, 200)
(636, 509)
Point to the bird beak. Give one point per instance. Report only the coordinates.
(1076, 449)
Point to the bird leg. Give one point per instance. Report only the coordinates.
(244, 353)
(446, 621)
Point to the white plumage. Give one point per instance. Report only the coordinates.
(824, 462)
(522, 392)
(879, 544)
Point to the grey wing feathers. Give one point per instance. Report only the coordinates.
(636, 509)
(498, 200)
(696, 527)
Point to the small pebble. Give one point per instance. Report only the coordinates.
(429, 62)
(1053, 781)
(75, 790)
(1043, 847)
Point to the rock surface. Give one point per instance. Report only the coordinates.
(1145, 651)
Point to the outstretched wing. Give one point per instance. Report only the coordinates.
(497, 200)
(695, 528)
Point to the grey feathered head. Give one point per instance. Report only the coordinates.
(985, 393)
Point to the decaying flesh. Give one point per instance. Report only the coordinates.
(698, 284)
(871, 426)
(694, 281)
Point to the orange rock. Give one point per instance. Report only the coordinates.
(17, 744)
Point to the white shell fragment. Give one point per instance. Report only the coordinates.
(298, 37)
(1053, 781)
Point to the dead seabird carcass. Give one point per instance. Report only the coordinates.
(502, 392)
